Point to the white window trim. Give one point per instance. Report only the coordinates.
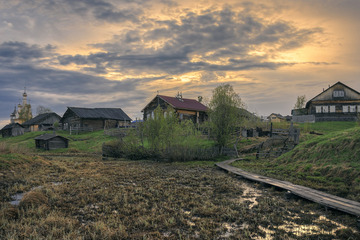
(332, 109)
(318, 109)
(352, 108)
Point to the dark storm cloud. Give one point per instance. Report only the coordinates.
(225, 36)
(19, 67)
(58, 81)
(66, 88)
(11, 51)
(110, 11)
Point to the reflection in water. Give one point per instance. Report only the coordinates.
(291, 223)
(249, 194)
(17, 198)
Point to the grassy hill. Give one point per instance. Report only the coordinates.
(21, 149)
(329, 162)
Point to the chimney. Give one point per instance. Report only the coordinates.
(179, 96)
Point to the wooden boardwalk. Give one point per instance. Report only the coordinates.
(325, 199)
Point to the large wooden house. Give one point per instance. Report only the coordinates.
(94, 118)
(41, 122)
(337, 103)
(185, 108)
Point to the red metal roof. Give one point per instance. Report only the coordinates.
(184, 103)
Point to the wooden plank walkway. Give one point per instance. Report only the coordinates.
(325, 199)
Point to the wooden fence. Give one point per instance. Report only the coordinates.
(77, 130)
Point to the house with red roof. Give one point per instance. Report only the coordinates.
(185, 108)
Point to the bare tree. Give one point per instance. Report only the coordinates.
(41, 109)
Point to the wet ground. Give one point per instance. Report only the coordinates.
(89, 198)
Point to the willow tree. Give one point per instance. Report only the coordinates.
(224, 107)
(161, 129)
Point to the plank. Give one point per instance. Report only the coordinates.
(325, 199)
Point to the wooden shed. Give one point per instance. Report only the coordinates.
(12, 130)
(51, 141)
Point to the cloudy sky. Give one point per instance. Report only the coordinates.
(120, 53)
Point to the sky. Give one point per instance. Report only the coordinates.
(121, 53)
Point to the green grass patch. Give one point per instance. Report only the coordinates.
(89, 142)
(330, 162)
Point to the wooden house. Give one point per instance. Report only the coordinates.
(276, 117)
(94, 118)
(184, 107)
(337, 103)
(51, 141)
(12, 130)
(41, 122)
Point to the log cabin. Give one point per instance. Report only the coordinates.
(12, 130)
(185, 108)
(51, 142)
(94, 118)
(41, 122)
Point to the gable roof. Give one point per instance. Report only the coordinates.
(39, 118)
(100, 113)
(48, 137)
(277, 115)
(338, 83)
(182, 103)
(11, 125)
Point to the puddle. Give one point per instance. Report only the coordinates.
(56, 183)
(16, 198)
(291, 224)
(268, 233)
(300, 230)
(250, 194)
(231, 228)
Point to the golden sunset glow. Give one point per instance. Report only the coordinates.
(121, 53)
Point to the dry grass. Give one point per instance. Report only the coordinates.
(33, 199)
(91, 199)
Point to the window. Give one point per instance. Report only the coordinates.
(318, 109)
(358, 108)
(332, 109)
(345, 109)
(338, 93)
(325, 109)
(353, 108)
